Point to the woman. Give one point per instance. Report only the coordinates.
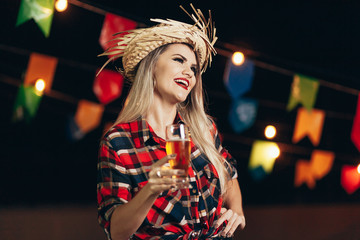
(137, 197)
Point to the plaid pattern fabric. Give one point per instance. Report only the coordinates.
(126, 154)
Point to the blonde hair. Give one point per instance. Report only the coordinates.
(192, 110)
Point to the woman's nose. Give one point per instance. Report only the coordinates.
(188, 71)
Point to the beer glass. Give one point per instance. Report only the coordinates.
(178, 141)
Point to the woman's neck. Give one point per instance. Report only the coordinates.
(159, 116)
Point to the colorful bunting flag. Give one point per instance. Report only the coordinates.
(355, 131)
(242, 114)
(74, 133)
(238, 79)
(350, 178)
(26, 104)
(309, 171)
(41, 66)
(41, 11)
(108, 86)
(303, 90)
(88, 115)
(262, 155)
(114, 24)
(309, 124)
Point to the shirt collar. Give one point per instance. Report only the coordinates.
(143, 134)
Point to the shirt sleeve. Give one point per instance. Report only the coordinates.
(230, 162)
(113, 183)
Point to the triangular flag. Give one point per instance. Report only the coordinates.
(258, 173)
(242, 114)
(350, 178)
(108, 86)
(309, 124)
(41, 66)
(303, 90)
(41, 11)
(114, 24)
(74, 133)
(321, 163)
(26, 104)
(355, 131)
(308, 172)
(88, 115)
(303, 174)
(238, 79)
(263, 153)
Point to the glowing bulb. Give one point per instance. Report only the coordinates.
(40, 85)
(238, 58)
(270, 131)
(61, 5)
(274, 151)
(358, 168)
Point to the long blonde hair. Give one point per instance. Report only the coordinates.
(140, 98)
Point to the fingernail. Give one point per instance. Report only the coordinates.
(172, 155)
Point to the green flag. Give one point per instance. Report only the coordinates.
(41, 11)
(26, 103)
(303, 90)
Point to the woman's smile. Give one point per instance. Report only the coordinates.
(182, 82)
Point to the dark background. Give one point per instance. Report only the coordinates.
(41, 165)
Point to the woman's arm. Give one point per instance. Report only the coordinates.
(233, 211)
(233, 197)
(128, 217)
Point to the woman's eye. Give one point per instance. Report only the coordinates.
(180, 60)
(194, 70)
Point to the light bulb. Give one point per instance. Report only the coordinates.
(238, 58)
(274, 151)
(270, 132)
(61, 5)
(40, 85)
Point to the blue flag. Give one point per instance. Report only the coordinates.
(243, 114)
(238, 79)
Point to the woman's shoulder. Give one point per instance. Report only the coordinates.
(118, 135)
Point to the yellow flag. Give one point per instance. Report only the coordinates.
(264, 153)
(309, 123)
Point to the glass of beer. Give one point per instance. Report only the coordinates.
(178, 141)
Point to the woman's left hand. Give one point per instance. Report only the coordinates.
(234, 221)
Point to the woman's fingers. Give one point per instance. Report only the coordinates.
(230, 228)
(162, 184)
(225, 215)
(163, 160)
(234, 221)
(162, 179)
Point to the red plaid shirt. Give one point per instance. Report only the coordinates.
(127, 152)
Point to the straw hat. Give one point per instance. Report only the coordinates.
(134, 45)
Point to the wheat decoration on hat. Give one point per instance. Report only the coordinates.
(134, 45)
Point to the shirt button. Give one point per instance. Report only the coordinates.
(194, 235)
(194, 191)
